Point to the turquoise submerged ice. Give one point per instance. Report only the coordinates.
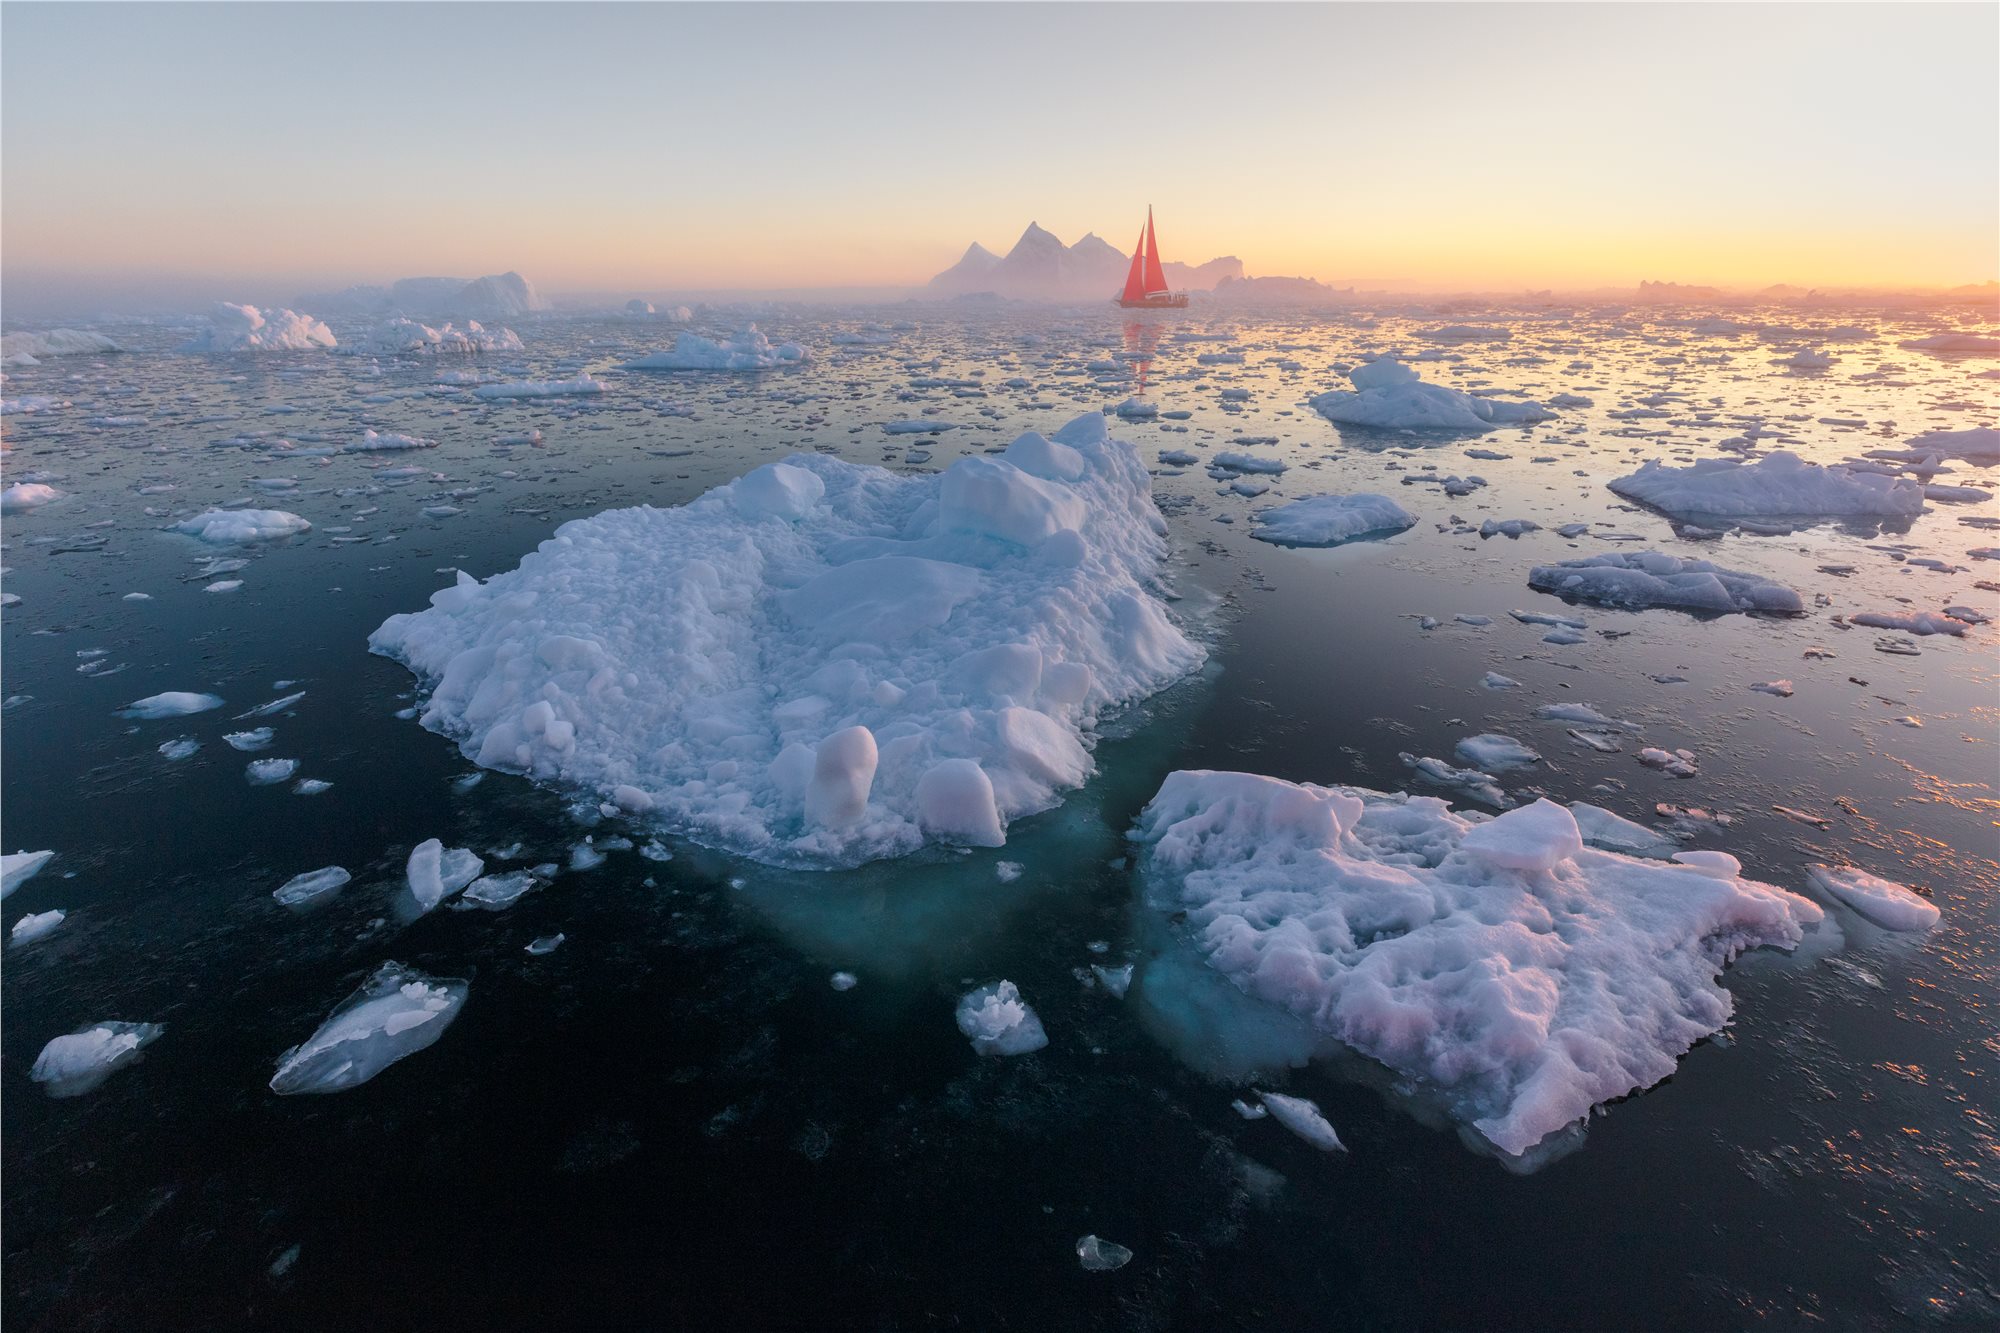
(1506, 968)
(821, 663)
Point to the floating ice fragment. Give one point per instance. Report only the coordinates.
(1115, 980)
(544, 944)
(268, 772)
(435, 874)
(26, 495)
(1494, 753)
(17, 868)
(999, 1022)
(495, 892)
(1884, 902)
(1303, 1118)
(396, 1013)
(34, 926)
(1640, 579)
(1329, 520)
(258, 738)
(238, 526)
(1389, 395)
(174, 703)
(843, 981)
(182, 747)
(1101, 1256)
(311, 886)
(73, 1065)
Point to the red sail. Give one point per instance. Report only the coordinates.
(1156, 278)
(1135, 281)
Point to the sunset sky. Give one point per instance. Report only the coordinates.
(689, 147)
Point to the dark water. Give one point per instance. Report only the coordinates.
(675, 1121)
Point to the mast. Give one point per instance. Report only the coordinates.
(1135, 281)
(1156, 277)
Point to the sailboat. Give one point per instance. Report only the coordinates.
(1146, 284)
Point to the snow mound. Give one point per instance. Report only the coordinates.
(397, 1012)
(1781, 484)
(1885, 902)
(748, 350)
(243, 525)
(1503, 967)
(1388, 394)
(1329, 520)
(75, 1064)
(582, 384)
(821, 663)
(1638, 579)
(245, 328)
(398, 337)
(27, 349)
(999, 1021)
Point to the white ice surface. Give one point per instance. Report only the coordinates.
(1329, 520)
(173, 703)
(243, 525)
(398, 1012)
(245, 328)
(74, 1064)
(1781, 484)
(748, 350)
(821, 663)
(999, 1021)
(1638, 579)
(1503, 967)
(1389, 395)
(1885, 902)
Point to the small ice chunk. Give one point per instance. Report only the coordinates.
(182, 747)
(72, 1065)
(266, 772)
(311, 886)
(1639, 579)
(1303, 1118)
(435, 874)
(1247, 1111)
(999, 1021)
(1493, 680)
(844, 981)
(1116, 980)
(256, 739)
(35, 925)
(238, 526)
(173, 703)
(1101, 1256)
(397, 1012)
(1781, 688)
(494, 892)
(1884, 902)
(1493, 753)
(544, 944)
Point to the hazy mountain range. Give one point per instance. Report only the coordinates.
(1041, 268)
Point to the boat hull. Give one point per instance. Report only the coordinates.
(1155, 301)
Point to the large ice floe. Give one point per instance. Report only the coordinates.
(397, 337)
(245, 328)
(1389, 395)
(1779, 485)
(28, 349)
(581, 383)
(1329, 520)
(1510, 974)
(238, 526)
(397, 1012)
(821, 663)
(748, 350)
(1638, 579)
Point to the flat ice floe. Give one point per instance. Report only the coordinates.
(245, 328)
(1779, 485)
(398, 1012)
(27, 349)
(75, 1064)
(172, 703)
(1884, 902)
(582, 383)
(1638, 579)
(1329, 520)
(1510, 972)
(821, 663)
(243, 525)
(1388, 394)
(748, 350)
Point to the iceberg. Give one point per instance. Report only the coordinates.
(748, 350)
(1389, 395)
(1638, 579)
(1507, 971)
(1329, 520)
(397, 1012)
(243, 525)
(17, 868)
(75, 1064)
(28, 349)
(582, 384)
(25, 495)
(821, 663)
(398, 337)
(1779, 485)
(245, 328)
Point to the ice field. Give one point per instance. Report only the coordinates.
(1035, 818)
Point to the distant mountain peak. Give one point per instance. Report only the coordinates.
(1040, 267)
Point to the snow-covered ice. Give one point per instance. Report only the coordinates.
(999, 1021)
(1503, 967)
(748, 350)
(245, 328)
(243, 525)
(17, 868)
(25, 495)
(27, 349)
(173, 703)
(1329, 520)
(821, 663)
(1390, 395)
(1884, 902)
(397, 1012)
(580, 383)
(1638, 579)
(1779, 485)
(77, 1063)
(397, 337)
(35, 925)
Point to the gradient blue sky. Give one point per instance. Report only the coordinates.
(693, 146)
